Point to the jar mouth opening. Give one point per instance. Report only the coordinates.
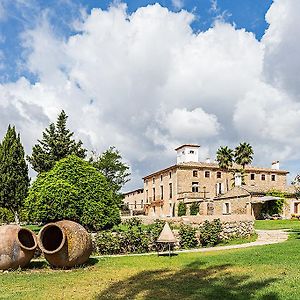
(51, 238)
(27, 239)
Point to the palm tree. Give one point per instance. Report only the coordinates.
(243, 154)
(225, 160)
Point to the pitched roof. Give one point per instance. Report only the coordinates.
(246, 190)
(215, 166)
(235, 192)
(166, 235)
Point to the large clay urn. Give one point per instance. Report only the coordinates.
(17, 246)
(65, 244)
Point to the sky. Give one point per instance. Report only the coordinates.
(148, 76)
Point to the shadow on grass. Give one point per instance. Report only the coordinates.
(192, 282)
(43, 264)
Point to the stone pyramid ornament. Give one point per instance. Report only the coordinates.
(166, 235)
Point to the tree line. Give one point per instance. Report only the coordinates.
(68, 184)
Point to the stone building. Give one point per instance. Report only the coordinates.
(217, 191)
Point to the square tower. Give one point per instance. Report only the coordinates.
(187, 153)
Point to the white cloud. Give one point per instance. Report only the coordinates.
(178, 4)
(282, 44)
(191, 125)
(145, 82)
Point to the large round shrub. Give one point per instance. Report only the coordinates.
(73, 190)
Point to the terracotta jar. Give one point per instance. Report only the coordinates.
(17, 246)
(65, 244)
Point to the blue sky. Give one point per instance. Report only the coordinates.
(150, 77)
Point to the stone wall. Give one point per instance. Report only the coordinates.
(233, 226)
(235, 229)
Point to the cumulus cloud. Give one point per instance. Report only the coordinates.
(282, 44)
(191, 125)
(145, 82)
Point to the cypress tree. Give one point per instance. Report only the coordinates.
(57, 143)
(14, 179)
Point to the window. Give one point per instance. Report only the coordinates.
(142, 203)
(170, 174)
(134, 204)
(273, 177)
(226, 208)
(192, 151)
(161, 177)
(219, 188)
(207, 174)
(153, 180)
(161, 192)
(296, 208)
(146, 196)
(195, 173)
(195, 187)
(153, 194)
(170, 189)
(219, 175)
(263, 177)
(252, 176)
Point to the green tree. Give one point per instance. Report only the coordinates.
(243, 154)
(110, 164)
(181, 209)
(57, 143)
(224, 158)
(14, 179)
(194, 209)
(73, 189)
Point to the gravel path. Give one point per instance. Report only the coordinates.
(265, 237)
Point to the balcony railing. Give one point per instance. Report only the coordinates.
(193, 195)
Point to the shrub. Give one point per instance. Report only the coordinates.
(73, 190)
(130, 237)
(187, 237)
(107, 242)
(210, 233)
(274, 207)
(194, 209)
(6, 216)
(181, 209)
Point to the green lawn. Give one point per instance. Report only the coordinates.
(278, 224)
(264, 272)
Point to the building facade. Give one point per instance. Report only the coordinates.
(206, 184)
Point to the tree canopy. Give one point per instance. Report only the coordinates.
(225, 157)
(14, 179)
(243, 154)
(73, 189)
(110, 164)
(57, 143)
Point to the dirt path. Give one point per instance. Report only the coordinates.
(265, 237)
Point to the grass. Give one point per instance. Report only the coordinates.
(263, 272)
(239, 241)
(292, 225)
(34, 228)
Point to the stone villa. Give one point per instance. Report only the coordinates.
(217, 192)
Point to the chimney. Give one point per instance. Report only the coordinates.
(207, 160)
(237, 179)
(275, 165)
